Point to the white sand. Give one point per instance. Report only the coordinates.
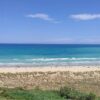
(46, 69)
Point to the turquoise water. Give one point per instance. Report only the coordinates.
(49, 54)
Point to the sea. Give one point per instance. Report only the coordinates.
(49, 54)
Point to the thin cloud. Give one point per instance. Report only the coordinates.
(85, 16)
(42, 16)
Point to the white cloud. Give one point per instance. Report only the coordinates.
(42, 16)
(85, 16)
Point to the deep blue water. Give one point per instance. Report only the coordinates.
(49, 54)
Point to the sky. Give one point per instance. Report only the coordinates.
(50, 21)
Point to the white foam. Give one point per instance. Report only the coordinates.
(55, 59)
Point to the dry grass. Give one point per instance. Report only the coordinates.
(83, 81)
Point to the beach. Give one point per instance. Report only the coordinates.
(14, 69)
(49, 50)
(50, 66)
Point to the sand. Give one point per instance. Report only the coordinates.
(49, 69)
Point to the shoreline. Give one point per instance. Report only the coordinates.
(22, 69)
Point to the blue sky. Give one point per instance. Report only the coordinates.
(50, 21)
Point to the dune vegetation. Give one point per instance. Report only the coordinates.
(83, 81)
(64, 93)
(50, 86)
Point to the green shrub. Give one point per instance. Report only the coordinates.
(91, 96)
(68, 93)
(73, 94)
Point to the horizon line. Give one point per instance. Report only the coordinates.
(56, 43)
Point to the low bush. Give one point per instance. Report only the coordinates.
(73, 94)
(65, 93)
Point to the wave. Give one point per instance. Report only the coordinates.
(61, 59)
(48, 59)
(51, 63)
